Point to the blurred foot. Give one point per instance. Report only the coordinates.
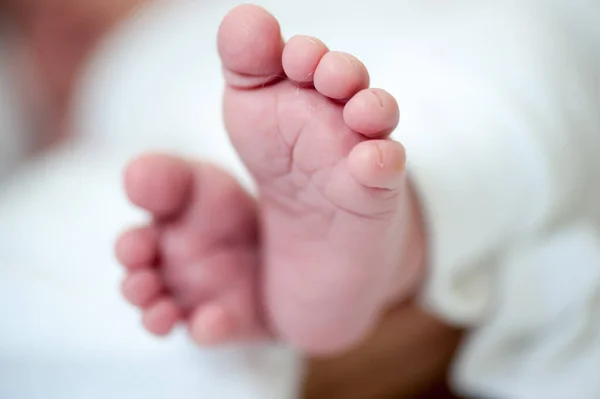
(197, 261)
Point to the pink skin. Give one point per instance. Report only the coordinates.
(334, 210)
(197, 261)
(55, 38)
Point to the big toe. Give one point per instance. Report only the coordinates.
(250, 46)
(160, 184)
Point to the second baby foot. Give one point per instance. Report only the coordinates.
(331, 183)
(196, 261)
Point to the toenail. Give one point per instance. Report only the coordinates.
(377, 97)
(379, 155)
(349, 58)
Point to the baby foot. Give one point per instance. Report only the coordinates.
(332, 195)
(196, 261)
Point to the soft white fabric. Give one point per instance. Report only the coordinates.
(544, 339)
(500, 122)
(503, 149)
(506, 148)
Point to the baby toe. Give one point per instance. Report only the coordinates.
(211, 324)
(141, 288)
(160, 184)
(378, 164)
(250, 46)
(137, 248)
(340, 76)
(161, 316)
(372, 112)
(301, 56)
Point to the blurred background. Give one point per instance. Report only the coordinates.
(87, 84)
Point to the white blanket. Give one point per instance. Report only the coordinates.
(469, 102)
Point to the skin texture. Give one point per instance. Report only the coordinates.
(336, 235)
(58, 35)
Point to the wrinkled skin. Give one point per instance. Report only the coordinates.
(58, 36)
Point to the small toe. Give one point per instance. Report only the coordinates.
(159, 184)
(141, 288)
(301, 56)
(340, 76)
(378, 164)
(211, 325)
(372, 112)
(161, 317)
(137, 248)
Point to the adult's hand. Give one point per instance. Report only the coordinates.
(55, 38)
(406, 357)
